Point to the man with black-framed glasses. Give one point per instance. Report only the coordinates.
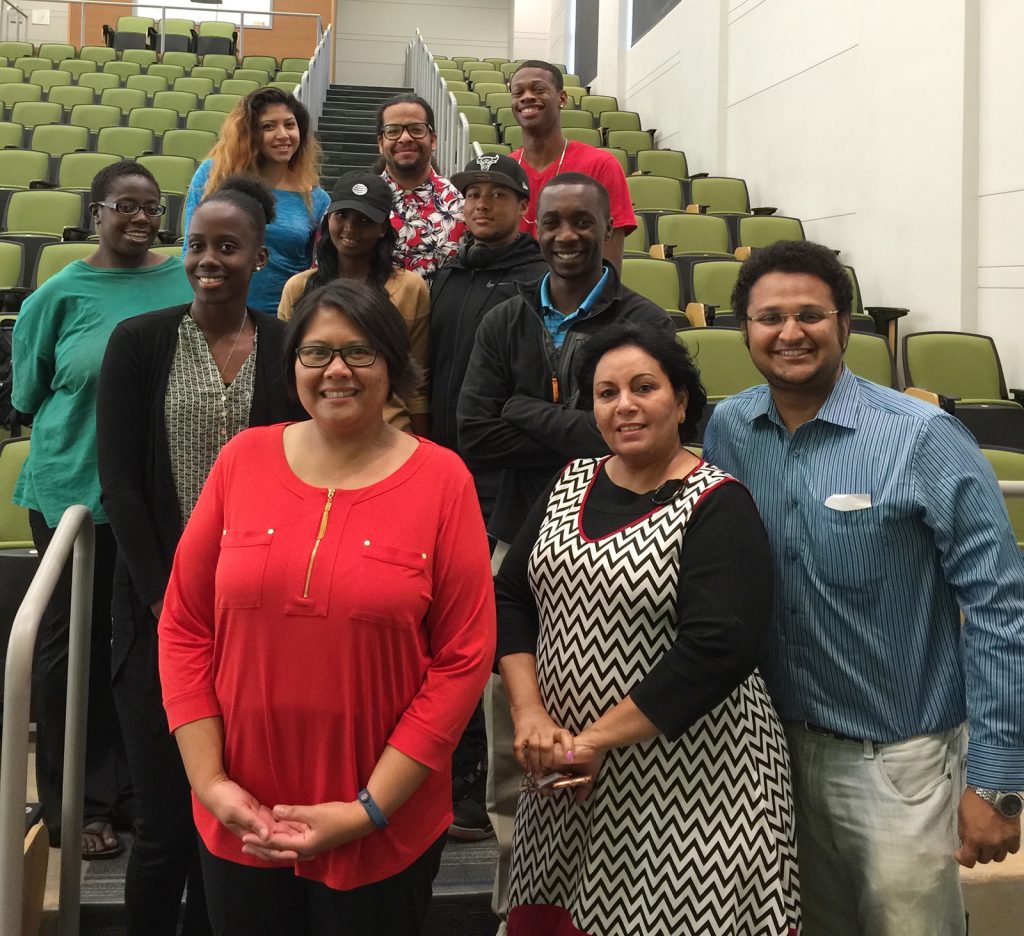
(428, 208)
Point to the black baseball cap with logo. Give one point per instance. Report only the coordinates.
(496, 168)
(364, 191)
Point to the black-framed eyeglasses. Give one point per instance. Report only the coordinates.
(804, 317)
(417, 130)
(321, 355)
(133, 208)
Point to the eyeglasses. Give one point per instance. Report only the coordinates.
(416, 130)
(804, 317)
(321, 355)
(132, 208)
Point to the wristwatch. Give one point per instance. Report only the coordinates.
(1009, 803)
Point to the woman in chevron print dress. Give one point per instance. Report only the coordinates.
(632, 610)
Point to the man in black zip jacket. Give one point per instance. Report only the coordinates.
(485, 272)
(520, 411)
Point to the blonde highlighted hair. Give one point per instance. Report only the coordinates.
(238, 149)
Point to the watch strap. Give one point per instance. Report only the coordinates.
(372, 809)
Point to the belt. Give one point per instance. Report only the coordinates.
(829, 733)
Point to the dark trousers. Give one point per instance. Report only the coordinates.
(247, 901)
(106, 770)
(165, 850)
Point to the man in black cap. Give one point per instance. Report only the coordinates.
(484, 272)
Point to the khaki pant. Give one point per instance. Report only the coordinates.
(503, 773)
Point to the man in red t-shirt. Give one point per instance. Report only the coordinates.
(537, 99)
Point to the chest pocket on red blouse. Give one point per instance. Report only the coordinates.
(396, 592)
(241, 566)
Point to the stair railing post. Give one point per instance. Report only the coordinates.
(75, 529)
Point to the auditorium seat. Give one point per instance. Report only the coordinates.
(157, 119)
(1008, 465)
(126, 142)
(960, 365)
(869, 356)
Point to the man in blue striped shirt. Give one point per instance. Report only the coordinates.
(885, 523)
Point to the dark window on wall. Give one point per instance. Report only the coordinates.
(587, 13)
(647, 14)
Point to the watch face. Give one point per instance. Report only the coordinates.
(1010, 805)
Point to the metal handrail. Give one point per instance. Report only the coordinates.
(75, 529)
(424, 77)
(22, 19)
(315, 81)
(173, 6)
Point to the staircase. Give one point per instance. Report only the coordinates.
(348, 129)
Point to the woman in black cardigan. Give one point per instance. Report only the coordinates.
(176, 384)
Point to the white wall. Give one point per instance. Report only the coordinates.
(372, 35)
(1001, 183)
(561, 32)
(893, 130)
(531, 29)
(54, 31)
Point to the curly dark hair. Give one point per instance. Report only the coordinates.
(660, 344)
(104, 180)
(372, 313)
(793, 257)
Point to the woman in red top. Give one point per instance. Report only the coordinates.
(327, 631)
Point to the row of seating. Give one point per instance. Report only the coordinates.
(17, 279)
(59, 138)
(142, 32)
(101, 81)
(65, 146)
(96, 59)
(31, 114)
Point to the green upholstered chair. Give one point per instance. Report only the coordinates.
(1008, 465)
(654, 193)
(765, 230)
(657, 280)
(960, 365)
(869, 356)
(723, 359)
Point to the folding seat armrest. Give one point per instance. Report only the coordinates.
(74, 234)
(42, 184)
(1017, 395)
(166, 237)
(108, 35)
(634, 173)
(11, 299)
(697, 209)
(763, 212)
(662, 251)
(698, 175)
(945, 403)
(699, 315)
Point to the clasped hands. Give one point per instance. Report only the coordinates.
(283, 833)
(542, 746)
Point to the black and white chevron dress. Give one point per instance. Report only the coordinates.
(678, 838)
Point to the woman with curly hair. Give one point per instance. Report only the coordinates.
(357, 242)
(268, 135)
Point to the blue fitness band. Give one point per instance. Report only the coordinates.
(372, 809)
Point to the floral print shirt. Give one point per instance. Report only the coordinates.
(428, 221)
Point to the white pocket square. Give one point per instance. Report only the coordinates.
(848, 501)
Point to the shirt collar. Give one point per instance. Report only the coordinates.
(545, 293)
(840, 408)
(427, 185)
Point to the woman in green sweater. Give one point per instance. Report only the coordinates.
(58, 344)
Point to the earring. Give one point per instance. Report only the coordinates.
(258, 268)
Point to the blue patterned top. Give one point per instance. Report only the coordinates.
(289, 238)
(866, 634)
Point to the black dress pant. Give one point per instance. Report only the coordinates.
(165, 850)
(106, 770)
(246, 901)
